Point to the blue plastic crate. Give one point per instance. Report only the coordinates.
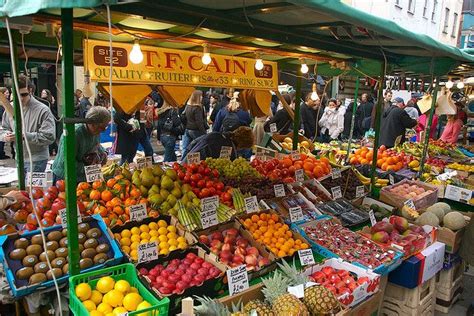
(21, 288)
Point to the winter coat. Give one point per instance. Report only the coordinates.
(282, 120)
(394, 122)
(308, 119)
(348, 122)
(127, 141)
(363, 111)
(195, 118)
(210, 145)
(332, 121)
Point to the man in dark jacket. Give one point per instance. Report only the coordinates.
(394, 122)
(308, 115)
(363, 114)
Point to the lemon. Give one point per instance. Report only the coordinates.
(171, 236)
(96, 313)
(164, 251)
(126, 249)
(110, 314)
(144, 241)
(96, 297)
(122, 286)
(134, 245)
(131, 301)
(113, 298)
(105, 285)
(171, 248)
(164, 245)
(104, 308)
(125, 242)
(89, 305)
(133, 289)
(117, 236)
(154, 238)
(83, 291)
(144, 305)
(181, 239)
(144, 228)
(126, 233)
(162, 223)
(171, 229)
(182, 245)
(135, 231)
(153, 225)
(154, 232)
(145, 235)
(134, 254)
(162, 231)
(172, 242)
(135, 238)
(119, 311)
(162, 238)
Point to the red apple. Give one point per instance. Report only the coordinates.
(242, 242)
(61, 185)
(227, 246)
(37, 193)
(327, 271)
(204, 240)
(217, 236)
(253, 251)
(251, 260)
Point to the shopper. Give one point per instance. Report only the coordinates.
(40, 131)
(150, 117)
(101, 100)
(348, 122)
(364, 114)
(5, 92)
(452, 129)
(224, 110)
(422, 125)
(394, 122)
(88, 150)
(213, 108)
(308, 110)
(332, 121)
(235, 117)
(461, 114)
(412, 111)
(281, 119)
(210, 145)
(195, 119)
(11, 198)
(128, 134)
(168, 129)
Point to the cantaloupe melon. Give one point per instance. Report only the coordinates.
(428, 218)
(444, 206)
(454, 221)
(437, 210)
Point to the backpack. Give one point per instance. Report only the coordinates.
(230, 122)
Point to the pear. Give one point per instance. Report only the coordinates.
(172, 174)
(136, 178)
(164, 193)
(156, 199)
(176, 192)
(157, 171)
(157, 180)
(147, 177)
(191, 195)
(197, 202)
(167, 183)
(186, 187)
(171, 199)
(154, 189)
(126, 173)
(144, 190)
(185, 199)
(165, 207)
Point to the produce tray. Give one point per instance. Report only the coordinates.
(312, 190)
(346, 212)
(121, 272)
(421, 201)
(382, 269)
(348, 182)
(21, 288)
(211, 287)
(282, 207)
(190, 239)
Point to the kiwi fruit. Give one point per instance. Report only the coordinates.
(49, 253)
(102, 248)
(37, 240)
(66, 268)
(55, 236)
(24, 273)
(88, 253)
(82, 238)
(83, 227)
(29, 261)
(34, 250)
(41, 267)
(18, 254)
(91, 243)
(58, 262)
(61, 252)
(64, 232)
(52, 245)
(63, 242)
(100, 258)
(86, 263)
(81, 247)
(94, 233)
(21, 243)
(37, 278)
(57, 273)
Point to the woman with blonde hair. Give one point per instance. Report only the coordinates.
(195, 119)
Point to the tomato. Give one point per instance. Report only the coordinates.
(215, 173)
(200, 169)
(201, 184)
(226, 197)
(284, 172)
(181, 175)
(288, 180)
(207, 170)
(196, 177)
(220, 186)
(193, 167)
(176, 166)
(61, 185)
(204, 193)
(209, 184)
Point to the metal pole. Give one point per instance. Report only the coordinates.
(296, 120)
(378, 116)
(354, 109)
(69, 139)
(20, 165)
(428, 128)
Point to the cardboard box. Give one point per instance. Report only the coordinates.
(368, 307)
(452, 239)
(421, 201)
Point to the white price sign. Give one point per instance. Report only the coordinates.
(336, 192)
(226, 152)
(391, 179)
(295, 155)
(141, 163)
(93, 173)
(299, 175)
(63, 215)
(306, 256)
(238, 279)
(360, 191)
(138, 212)
(279, 190)
(296, 214)
(209, 211)
(273, 128)
(410, 204)
(147, 252)
(373, 220)
(194, 157)
(38, 179)
(251, 204)
(297, 290)
(336, 173)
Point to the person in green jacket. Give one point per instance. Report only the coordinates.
(88, 149)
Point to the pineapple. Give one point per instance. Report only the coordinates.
(318, 299)
(261, 308)
(210, 307)
(283, 303)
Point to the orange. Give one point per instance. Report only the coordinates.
(263, 216)
(281, 253)
(324, 160)
(83, 186)
(275, 217)
(384, 166)
(135, 193)
(96, 184)
(106, 195)
(111, 183)
(95, 195)
(308, 165)
(364, 161)
(287, 162)
(255, 218)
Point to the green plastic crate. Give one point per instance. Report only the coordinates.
(121, 272)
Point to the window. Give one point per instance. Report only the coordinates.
(425, 9)
(446, 21)
(411, 6)
(455, 22)
(433, 13)
(398, 3)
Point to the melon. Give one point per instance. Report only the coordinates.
(444, 206)
(436, 210)
(454, 221)
(428, 218)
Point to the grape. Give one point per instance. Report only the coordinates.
(238, 169)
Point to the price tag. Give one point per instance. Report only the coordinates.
(63, 215)
(209, 211)
(373, 220)
(226, 152)
(295, 155)
(194, 157)
(138, 212)
(273, 128)
(238, 279)
(147, 252)
(93, 173)
(141, 163)
(306, 256)
(251, 204)
(336, 173)
(457, 194)
(149, 161)
(299, 175)
(360, 191)
(38, 179)
(279, 190)
(336, 192)
(296, 214)
(391, 179)
(410, 204)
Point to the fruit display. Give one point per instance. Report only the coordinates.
(348, 214)
(262, 188)
(311, 190)
(380, 212)
(236, 169)
(347, 183)
(190, 217)
(303, 146)
(436, 148)
(461, 167)
(420, 193)
(441, 214)
(387, 159)
(284, 204)
(379, 182)
(268, 229)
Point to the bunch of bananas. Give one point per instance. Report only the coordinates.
(379, 183)
(110, 170)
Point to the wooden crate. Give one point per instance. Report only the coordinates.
(410, 298)
(445, 306)
(449, 281)
(392, 309)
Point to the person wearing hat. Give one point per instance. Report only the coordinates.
(394, 122)
(88, 150)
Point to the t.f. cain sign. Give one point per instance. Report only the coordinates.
(176, 67)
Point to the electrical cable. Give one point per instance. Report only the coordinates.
(245, 14)
(24, 53)
(30, 158)
(111, 61)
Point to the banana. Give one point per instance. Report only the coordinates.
(383, 181)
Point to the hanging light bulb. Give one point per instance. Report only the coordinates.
(314, 94)
(304, 67)
(87, 90)
(206, 56)
(449, 84)
(460, 84)
(258, 62)
(136, 55)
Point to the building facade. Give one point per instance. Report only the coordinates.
(467, 29)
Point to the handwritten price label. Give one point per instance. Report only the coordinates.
(273, 128)
(63, 215)
(306, 256)
(141, 163)
(38, 179)
(93, 173)
(296, 214)
(238, 279)
(360, 191)
(279, 190)
(226, 152)
(299, 175)
(336, 173)
(209, 211)
(295, 155)
(251, 204)
(147, 252)
(410, 204)
(373, 220)
(336, 192)
(138, 212)
(391, 179)
(194, 157)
